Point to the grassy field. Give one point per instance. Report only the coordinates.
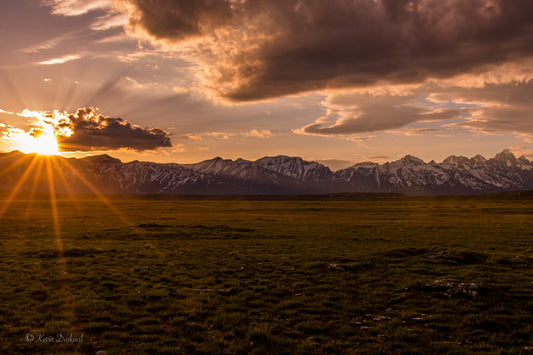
(237, 277)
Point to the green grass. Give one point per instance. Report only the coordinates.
(236, 277)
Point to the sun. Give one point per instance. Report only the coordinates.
(42, 143)
(42, 138)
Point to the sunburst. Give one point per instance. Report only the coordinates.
(42, 138)
(42, 143)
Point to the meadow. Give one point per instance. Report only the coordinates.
(267, 277)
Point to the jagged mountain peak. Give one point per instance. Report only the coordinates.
(215, 159)
(455, 160)
(505, 155)
(479, 159)
(215, 165)
(412, 159)
(277, 159)
(284, 159)
(364, 164)
(524, 160)
(296, 167)
(102, 159)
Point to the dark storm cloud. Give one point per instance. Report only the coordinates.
(93, 131)
(257, 49)
(180, 19)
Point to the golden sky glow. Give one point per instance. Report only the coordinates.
(346, 80)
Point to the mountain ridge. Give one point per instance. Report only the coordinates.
(275, 175)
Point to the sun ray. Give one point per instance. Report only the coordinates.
(18, 186)
(69, 304)
(9, 84)
(98, 194)
(62, 177)
(36, 178)
(108, 203)
(14, 164)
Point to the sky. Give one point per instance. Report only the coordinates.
(339, 81)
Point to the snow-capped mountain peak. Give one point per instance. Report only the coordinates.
(283, 174)
(296, 168)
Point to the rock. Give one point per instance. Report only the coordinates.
(524, 260)
(454, 287)
(380, 319)
(336, 267)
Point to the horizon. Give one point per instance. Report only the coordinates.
(229, 80)
(322, 162)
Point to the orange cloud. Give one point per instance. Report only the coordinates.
(261, 133)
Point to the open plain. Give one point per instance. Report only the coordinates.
(415, 275)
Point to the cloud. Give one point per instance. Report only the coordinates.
(261, 133)
(358, 139)
(193, 137)
(420, 131)
(49, 44)
(76, 7)
(61, 60)
(256, 133)
(134, 83)
(180, 90)
(494, 108)
(223, 135)
(355, 113)
(250, 50)
(110, 21)
(92, 131)
(88, 130)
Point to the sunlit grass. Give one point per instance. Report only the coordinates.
(50, 169)
(268, 277)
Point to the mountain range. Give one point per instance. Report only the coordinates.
(268, 175)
